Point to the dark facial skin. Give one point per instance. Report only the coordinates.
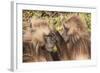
(55, 39)
(49, 42)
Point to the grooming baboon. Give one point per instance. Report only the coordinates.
(50, 45)
(38, 29)
(61, 46)
(56, 40)
(76, 36)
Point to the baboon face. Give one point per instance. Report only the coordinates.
(53, 39)
(42, 33)
(74, 26)
(40, 26)
(39, 29)
(49, 42)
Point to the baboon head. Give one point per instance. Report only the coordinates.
(50, 41)
(35, 41)
(41, 34)
(76, 36)
(39, 29)
(74, 26)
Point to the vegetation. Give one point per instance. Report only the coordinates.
(55, 18)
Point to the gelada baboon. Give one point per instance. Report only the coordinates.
(50, 45)
(34, 42)
(55, 39)
(76, 36)
(61, 46)
(39, 28)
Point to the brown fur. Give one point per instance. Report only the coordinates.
(33, 42)
(62, 52)
(39, 28)
(77, 38)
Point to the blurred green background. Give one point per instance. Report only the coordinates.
(55, 18)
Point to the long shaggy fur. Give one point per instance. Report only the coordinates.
(34, 43)
(77, 38)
